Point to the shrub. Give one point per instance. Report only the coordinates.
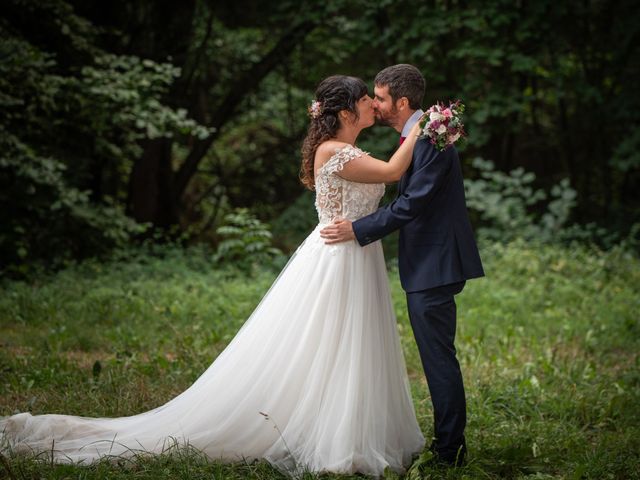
(246, 242)
(507, 205)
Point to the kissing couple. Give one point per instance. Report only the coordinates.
(315, 380)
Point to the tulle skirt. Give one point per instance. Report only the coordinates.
(315, 380)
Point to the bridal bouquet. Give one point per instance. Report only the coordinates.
(443, 125)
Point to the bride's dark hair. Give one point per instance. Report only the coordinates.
(335, 93)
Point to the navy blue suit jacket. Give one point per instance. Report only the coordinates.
(437, 246)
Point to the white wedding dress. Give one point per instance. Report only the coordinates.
(320, 355)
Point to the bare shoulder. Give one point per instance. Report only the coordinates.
(326, 150)
(330, 147)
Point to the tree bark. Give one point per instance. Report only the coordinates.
(151, 185)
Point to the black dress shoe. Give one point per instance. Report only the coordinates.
(448, 460)
(440, 461)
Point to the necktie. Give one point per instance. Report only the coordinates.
(401, 140)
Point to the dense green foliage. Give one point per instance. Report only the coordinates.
(503, 203)
(69, 133)
(548, 343)
(118, 117)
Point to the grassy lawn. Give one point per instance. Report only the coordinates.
(548, 343)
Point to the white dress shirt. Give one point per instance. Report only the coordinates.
(411, 122)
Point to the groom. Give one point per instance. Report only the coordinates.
(437, 251)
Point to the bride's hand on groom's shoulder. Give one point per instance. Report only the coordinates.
(340, 230)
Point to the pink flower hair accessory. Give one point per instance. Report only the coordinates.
(315, 109)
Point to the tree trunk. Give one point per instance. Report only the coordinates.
(151, 196)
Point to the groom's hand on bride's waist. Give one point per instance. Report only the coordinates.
(339, 231)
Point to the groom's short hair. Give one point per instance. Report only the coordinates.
(403, 80)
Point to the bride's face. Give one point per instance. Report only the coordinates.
(365, 112)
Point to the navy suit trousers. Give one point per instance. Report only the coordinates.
(433, 318)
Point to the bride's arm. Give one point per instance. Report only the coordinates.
(366, 169)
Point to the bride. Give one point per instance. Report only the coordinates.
(315, 380)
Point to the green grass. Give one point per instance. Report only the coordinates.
(548, 343)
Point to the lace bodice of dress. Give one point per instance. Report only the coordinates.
(337, 197)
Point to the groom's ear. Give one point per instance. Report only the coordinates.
(402, 103)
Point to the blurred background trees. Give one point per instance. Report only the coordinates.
(124, 121)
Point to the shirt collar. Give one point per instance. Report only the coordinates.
(411, 122)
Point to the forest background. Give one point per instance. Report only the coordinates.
(128, 121)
